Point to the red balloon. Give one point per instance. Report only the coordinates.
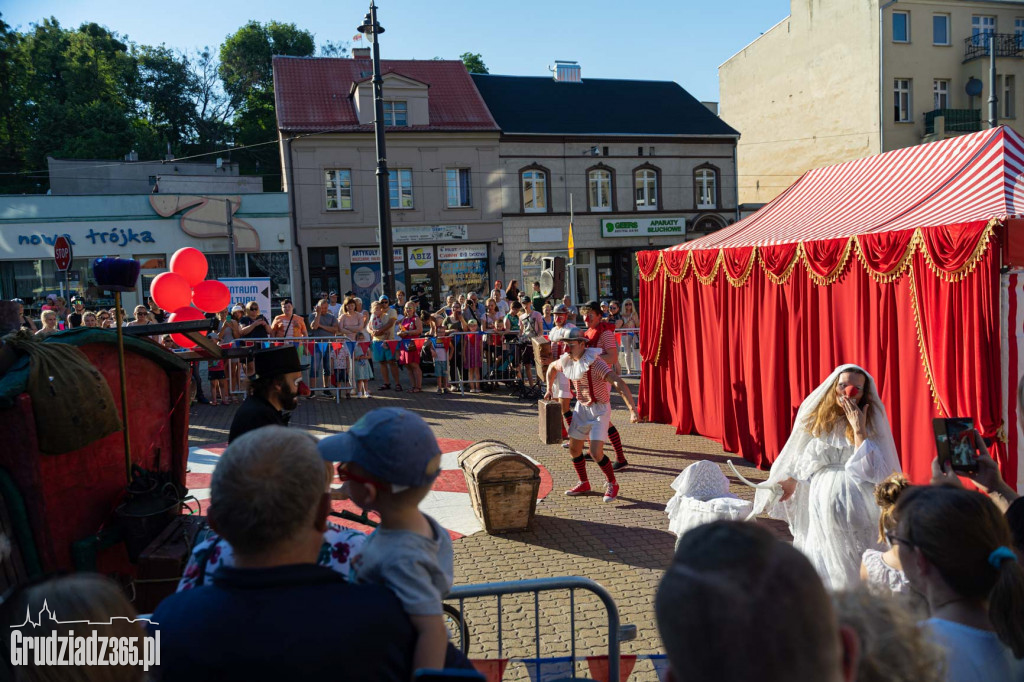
(191, 264)
(170, 291)
(211, 296)
(185, 314)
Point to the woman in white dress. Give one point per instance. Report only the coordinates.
(822, 483)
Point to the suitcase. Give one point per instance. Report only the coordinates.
(550, 413)
(162, 563)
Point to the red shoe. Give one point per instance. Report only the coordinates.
(581, 488)
(611, 492)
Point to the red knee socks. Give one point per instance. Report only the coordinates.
(613, 436)
(580, 464)
(606, 469)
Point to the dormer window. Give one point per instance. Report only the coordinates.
(396, 113)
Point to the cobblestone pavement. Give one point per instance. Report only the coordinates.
(624, 545)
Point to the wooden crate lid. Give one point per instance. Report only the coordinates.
(495, 461)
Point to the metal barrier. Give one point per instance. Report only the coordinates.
(616, 631)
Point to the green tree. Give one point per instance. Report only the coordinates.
(474, 62)
(13, 130)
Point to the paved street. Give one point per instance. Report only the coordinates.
(623, 545)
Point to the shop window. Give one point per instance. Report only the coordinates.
(400, 188)
(705, 187)
(276, 266)
(338, 189)
(396, 113)
(457, 182)
(220, 265)
(600, 188)
(645, 185)
(535, 192)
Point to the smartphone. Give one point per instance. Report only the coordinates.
(954, 440)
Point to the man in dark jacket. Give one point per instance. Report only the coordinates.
(273, 390)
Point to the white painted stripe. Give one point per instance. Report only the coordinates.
(453, 511)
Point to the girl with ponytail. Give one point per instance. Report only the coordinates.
(954, 546)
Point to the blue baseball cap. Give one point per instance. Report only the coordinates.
(393, 444)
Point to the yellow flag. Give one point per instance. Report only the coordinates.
(572, 244)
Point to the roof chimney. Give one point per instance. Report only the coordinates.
(360, 53)
(566, 71)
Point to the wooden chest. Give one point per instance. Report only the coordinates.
(549, 413)
(503, 485)
(542, 357)
(162, 563)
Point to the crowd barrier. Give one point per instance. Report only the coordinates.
(523, 634)
(474, 361)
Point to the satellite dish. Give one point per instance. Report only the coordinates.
(973, 87)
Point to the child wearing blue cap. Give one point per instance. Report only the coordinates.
(388, 461)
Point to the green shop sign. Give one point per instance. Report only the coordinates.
(644, 227)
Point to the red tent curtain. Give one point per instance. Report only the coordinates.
(732, 347)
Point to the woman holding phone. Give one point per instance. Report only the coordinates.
(822, 483)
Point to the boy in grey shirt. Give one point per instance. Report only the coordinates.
(388, 461)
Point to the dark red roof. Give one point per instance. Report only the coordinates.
(312, 94)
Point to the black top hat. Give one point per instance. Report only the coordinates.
(276, 361)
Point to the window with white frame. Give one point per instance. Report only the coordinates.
(396, 113)
(400, 187)
(600, 186)
(457, 183)
(940, 29)
(535, 191)
(646, 186)
(902, 113)
(338, 189)
(1009, 96)
(981, 27)
(901, 27)
(940, 90)
(706, 181)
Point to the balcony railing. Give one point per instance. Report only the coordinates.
(958, 121)
(1007, 45)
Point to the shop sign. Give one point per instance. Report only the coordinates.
(644, 227)
(117, 236)
(462, 252)
(371, 255)
(245, 289)
(429, 233)
(421, 257)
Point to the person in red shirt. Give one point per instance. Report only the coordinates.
(590, 376)
(601, 334)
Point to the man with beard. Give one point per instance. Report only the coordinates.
(273, 390)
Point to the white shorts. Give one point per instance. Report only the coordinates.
(561, 387)
(590, 422)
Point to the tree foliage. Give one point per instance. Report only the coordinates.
(474, 62)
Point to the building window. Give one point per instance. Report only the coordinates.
(645, 182)
(338, 189)
(706, 187)
(940, 29)
(901, 27)
(940, 88)
(1018, 32)
(901, 100)
(457, 184)
(981, 28)
(535, 191)
(1009, 96)
(396, 113)
(600, 190)
(400, 187)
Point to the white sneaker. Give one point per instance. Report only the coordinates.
(565, 445)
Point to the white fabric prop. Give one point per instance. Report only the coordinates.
(577, 369)
(702, 496)
(832, 514)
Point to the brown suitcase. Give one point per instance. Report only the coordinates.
(162, 563)
(550, 413)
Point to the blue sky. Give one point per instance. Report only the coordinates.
(680, 40)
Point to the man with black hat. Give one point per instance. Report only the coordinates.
(273, 390)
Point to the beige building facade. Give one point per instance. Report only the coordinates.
(826, 85)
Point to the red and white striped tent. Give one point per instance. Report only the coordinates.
(902, 262)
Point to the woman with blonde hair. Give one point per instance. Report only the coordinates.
(630, 321)
(822, 483)
(882, 571)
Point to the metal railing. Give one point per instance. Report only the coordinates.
(956, 120)
(1006, 45)
(617, 632)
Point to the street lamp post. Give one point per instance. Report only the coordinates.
(372, 29)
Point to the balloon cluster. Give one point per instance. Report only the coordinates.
(186, 292)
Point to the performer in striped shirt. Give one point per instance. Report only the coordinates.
(590, 376)
(601, 335)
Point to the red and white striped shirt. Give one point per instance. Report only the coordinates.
(592, 388)
(605, 341)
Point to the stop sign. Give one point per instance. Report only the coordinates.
(62, 253)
